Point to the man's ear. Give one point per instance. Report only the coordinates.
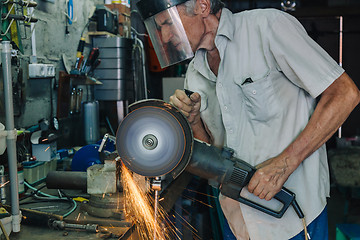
(204, 7)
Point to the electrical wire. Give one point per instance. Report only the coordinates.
(51, 197)
(307, 236)
(301, 215)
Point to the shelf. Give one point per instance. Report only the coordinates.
(83, 80)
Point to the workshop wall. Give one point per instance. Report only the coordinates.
(56, 43)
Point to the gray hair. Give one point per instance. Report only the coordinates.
(215, 6)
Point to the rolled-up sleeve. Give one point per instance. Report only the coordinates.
(299, 57)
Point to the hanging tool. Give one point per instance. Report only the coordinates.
(93, 66)
(79, 52)
(155, 139)
(70, 11)
(69, 15)
(90, 61)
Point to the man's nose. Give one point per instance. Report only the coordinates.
(166, 34)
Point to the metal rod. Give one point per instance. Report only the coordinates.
(142, 52)
(11, 134)
(19, 17)
(157, 187)
(341, 56)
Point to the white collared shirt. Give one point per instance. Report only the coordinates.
(270, 73)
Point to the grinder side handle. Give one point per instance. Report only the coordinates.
(285, 196)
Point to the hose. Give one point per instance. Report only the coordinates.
(48, 196)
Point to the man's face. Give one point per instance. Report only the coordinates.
(169, 31)
(193, 26)
(168, 25)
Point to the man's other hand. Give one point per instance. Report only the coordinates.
(189, 106)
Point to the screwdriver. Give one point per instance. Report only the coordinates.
(79, 52)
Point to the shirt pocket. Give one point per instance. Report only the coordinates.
(259, 97)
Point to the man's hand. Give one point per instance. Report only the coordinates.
(190, 107)
(270, 176)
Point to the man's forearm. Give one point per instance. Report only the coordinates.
(200, 132)
(335, 105)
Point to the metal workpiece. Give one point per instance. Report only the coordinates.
(66, 180)
(101, 178)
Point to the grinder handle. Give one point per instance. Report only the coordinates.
(285, 196)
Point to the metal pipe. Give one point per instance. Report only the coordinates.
(142, 52)
(66, 180)
(341, 19)
(11, 134)
(33, 58)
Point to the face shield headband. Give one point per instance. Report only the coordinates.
(167, 34)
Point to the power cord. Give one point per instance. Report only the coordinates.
(50, 197)
(302, 217)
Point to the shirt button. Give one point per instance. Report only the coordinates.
(220, 85)
(231, 130)
(225, 108)
(254, 92)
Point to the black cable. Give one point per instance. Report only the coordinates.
(297, 209)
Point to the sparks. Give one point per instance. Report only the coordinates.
(138, 207)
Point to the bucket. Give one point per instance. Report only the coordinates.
(2, 139)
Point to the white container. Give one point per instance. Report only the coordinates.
(2, 139)
(7, 223)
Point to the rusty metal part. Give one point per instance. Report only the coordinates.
(22, 3)
(105, 205)
(19, 17)
(94, 228)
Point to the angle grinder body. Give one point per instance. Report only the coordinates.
(155, 139)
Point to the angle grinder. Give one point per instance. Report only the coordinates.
(155, 139)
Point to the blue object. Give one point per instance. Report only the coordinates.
(85, 157)
(228, 235)
(89, 155)
(318, 229)
(70, 8)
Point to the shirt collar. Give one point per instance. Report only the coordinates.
(226, 29)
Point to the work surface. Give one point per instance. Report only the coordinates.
(36, 226)
(32, 232)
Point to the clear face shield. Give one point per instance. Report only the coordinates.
(168, 37)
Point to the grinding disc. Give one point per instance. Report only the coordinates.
(153, 139)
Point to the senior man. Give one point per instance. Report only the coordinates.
(256, 76)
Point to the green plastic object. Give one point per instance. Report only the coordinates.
(348, 232)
